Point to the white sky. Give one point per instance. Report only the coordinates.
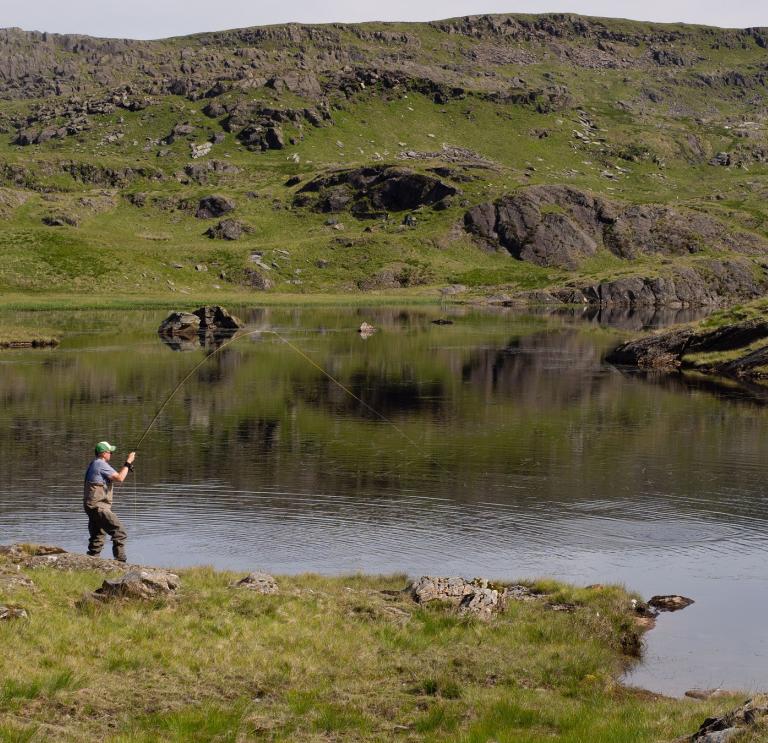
(152, 19)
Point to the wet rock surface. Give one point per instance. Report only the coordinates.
(747, 341)
(213, 320)
(669, 603)
(258, 582)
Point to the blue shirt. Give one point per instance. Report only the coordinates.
(99, 471)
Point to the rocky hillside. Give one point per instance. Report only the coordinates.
(572, 158)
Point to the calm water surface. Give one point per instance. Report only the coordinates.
(531, 457)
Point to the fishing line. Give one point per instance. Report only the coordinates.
(294, 348)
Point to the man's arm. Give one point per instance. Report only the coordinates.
(124, 470)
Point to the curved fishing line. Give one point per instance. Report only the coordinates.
(294, 348)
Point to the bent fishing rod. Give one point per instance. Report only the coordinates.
(294, 348)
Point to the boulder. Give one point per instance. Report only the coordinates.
(214, 206)
(257, 280)
(61, 220)
(227, 229)
(258, 582)
(180, 324)
(139, 584)
(216, 318)
(8, 613)
(366, 330)
(669, 603)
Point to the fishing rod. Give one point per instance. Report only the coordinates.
(294, 348)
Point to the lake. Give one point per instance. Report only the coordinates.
(501, 446)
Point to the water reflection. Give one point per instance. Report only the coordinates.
(531, 457)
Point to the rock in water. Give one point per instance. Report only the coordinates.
(139, 584)
(216, 318)
(258, 582)
(670, 603)
(366, 330)
(180, 324)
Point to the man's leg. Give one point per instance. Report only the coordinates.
(95, 532)
(114, 528)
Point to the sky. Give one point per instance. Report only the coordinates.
(153, 19)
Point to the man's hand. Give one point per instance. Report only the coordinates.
(131, 456)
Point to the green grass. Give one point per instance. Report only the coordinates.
(327, 657)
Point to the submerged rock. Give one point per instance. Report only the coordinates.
(669, 603)
(258, 582)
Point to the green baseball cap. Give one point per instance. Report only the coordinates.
(103, 446)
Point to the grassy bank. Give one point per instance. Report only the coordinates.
(22, 336)
(348, 658)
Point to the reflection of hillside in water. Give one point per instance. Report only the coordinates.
(550, 369)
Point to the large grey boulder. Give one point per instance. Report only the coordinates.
(8, 613)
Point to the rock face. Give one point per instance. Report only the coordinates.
(258, 582)
(560, 226)
(667, 350)
(139, 584)
(214, 206)
(734, 724)
(373, 191)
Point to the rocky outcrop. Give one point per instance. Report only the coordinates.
(258, 582)
(745, 343)
(373, 191)
(143, 584)
(751, 717)
(227, 229)
(213, 206)
(560, 226)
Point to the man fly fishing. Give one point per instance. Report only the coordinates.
(97, 501)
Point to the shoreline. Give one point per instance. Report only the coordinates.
(377, 657)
